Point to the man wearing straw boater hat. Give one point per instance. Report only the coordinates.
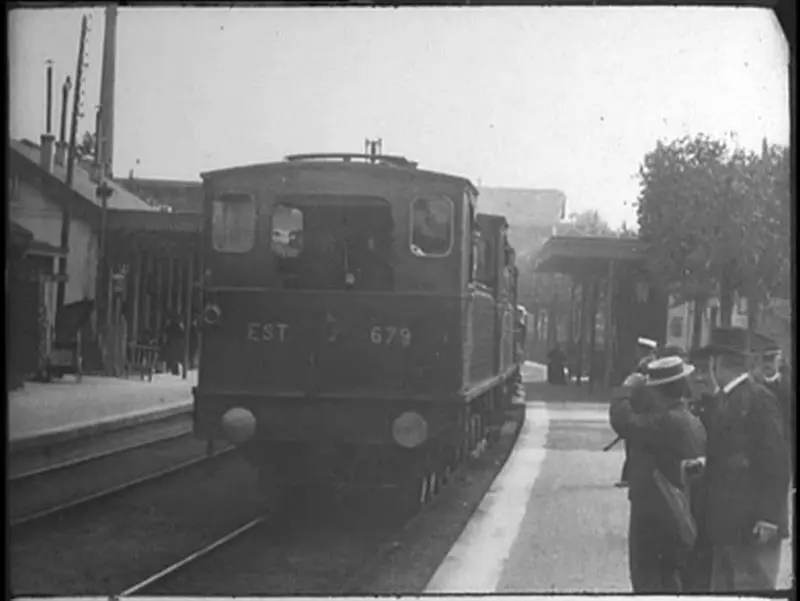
(646, 351)
(665, 439)
(747, 473)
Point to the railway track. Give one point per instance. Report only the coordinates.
(205, 533)
(103, 542)
(321, 551)
(48, 490)
(327, 549)
(30, 459)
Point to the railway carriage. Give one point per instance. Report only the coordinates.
(358, 320)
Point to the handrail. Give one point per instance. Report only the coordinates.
(397, 161)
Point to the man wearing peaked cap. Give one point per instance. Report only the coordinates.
(653, 417)
(747, 474)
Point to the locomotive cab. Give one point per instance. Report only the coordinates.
(333, 281)
(343, 309)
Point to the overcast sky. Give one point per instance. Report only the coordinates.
(566, 98)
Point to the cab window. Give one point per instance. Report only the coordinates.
(233, 223)
(287, 232)
(431, 227)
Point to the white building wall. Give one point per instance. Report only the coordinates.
(81, 262)
(680, 322)
(36, 212)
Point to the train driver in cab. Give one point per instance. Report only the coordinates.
(431, 226)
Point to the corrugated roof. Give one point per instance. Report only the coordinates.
(182, 196)
(571, 254)
(522, 206)
(122, 199)
(158, 221)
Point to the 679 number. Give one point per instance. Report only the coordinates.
(390, 335)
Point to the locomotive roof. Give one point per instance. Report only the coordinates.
(345, 161)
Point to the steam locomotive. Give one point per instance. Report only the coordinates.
(360, 321)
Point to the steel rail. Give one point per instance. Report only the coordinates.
(202, 552)
(55, 467)
(108, 492)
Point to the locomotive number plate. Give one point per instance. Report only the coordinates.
(267, 332)
(390, 336)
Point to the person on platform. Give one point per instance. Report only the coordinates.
(173, 343)
(696, 574)
(646, 351)
(555, 366)
(747, 472)
(772, 371)
(664, 438)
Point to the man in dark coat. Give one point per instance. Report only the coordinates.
(663, 434)
(646, 351)
(555, 366)
(771, 371)
(747, 473)
(173, 343)
(697, 571)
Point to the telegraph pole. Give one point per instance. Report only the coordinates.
(76, 106)
(49, 124)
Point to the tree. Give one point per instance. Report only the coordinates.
(88, 145)
(757, 258)
(626, 232)
(683, 187)
(715, 222)
(586, 223)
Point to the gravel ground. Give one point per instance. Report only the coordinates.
(411, 558)
(47, 490)
(313, 551)
(364, 544)
(106, 546)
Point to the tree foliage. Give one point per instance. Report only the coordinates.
(682, 192)
(716, 220)
(87, 146)
(587, 223)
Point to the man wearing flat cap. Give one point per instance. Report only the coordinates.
(747, 472)
(664, 438)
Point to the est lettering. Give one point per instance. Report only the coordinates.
(267, 332)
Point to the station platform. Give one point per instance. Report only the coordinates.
(49, 413)
(552, 521)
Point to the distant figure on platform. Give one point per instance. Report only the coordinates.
(646, 351)
(194, 342)
(555, 366)
(667, 441)
(572, 363)
(747, 474)
(173, 344)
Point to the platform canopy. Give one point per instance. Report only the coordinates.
(587, 255)
(156, 230)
